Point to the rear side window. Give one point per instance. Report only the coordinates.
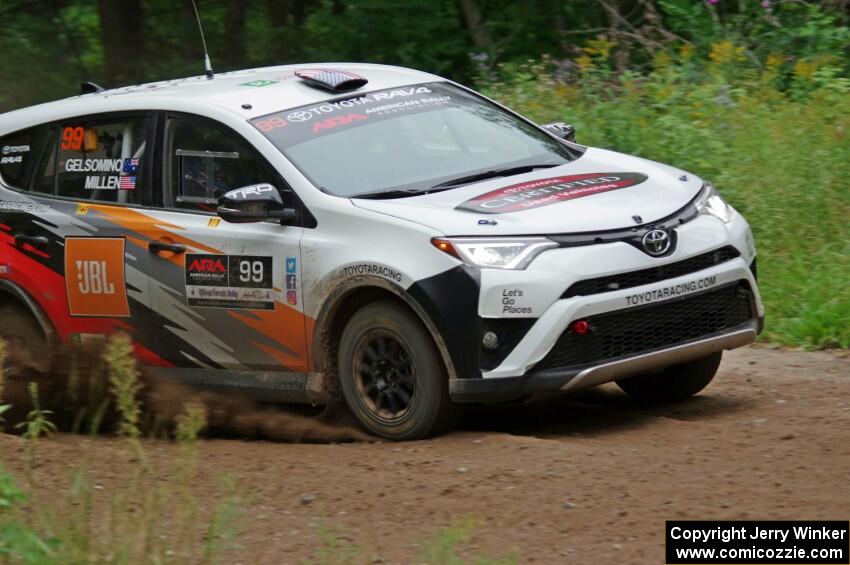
(206, 160)
(98, 160)
(18, 153)
(44, 180)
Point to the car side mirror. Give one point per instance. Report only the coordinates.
(254, 203)
(561, 130)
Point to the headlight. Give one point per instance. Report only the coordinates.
(495, 253)
(710, 202)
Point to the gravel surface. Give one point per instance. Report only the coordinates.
(586, 478)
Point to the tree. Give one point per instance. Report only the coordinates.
(470, 10)
(123, 40)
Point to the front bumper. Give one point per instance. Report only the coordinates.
(510, 388)
(529, 367)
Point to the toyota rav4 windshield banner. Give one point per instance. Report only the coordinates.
(543, 192)
(296, 125)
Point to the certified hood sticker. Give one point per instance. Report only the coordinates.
(543, 192)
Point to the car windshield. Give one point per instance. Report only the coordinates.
(408, 140)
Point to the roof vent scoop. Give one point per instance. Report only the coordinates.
(90, 88)
(329, 79)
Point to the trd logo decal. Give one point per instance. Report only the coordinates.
(94, 277)
(543, 192)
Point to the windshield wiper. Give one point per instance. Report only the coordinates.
(493, 173)
(380, 194)
(504, 172)
(388, 194)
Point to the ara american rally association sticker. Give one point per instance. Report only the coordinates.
(230, 281)
(543, 192)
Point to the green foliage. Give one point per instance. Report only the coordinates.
(190, 422)
(38, 422)
(780, 156)
(17, 541)
(443, 547)
(335, 548)
(10, 494)
(797, 29)
(370, 30)
(124, 378)
(222, 533)
(118, 43)
(71, 529)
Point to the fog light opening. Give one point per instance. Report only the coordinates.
(580, 327)
(490, 340)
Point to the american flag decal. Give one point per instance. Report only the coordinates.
(340, 81)
(127, 183)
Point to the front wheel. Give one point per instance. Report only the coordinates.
(674, 383)
(391, 374)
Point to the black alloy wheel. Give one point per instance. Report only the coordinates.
(384, 374)
(392, 375)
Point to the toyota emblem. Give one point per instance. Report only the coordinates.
(299, 116)
(656, 242)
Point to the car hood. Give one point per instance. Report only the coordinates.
(602, 190)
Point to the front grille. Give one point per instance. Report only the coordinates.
(625, 333)
(651, 275)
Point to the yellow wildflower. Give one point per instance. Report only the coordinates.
(805, 70)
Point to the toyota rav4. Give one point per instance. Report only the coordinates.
(372, 233)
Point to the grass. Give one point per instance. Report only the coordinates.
(776, 146)
(142, 520)
(443, 547)
(138, 517)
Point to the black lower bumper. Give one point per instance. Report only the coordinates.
(503, 389)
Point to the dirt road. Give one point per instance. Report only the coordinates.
(588, 478)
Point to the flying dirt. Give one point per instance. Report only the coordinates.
(75, 387)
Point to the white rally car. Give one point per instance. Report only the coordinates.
(364, 232)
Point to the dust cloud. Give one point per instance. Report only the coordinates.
(75, 389)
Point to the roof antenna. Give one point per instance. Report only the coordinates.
(207, 65)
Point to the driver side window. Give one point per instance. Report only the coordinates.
(206, 160)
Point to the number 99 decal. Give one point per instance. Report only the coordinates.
(72, 138)
(270, 124)
(251, 271)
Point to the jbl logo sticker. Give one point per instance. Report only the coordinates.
(94, 277)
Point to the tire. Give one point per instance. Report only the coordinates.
(391, 374)
(26, 344)
(673, 384)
